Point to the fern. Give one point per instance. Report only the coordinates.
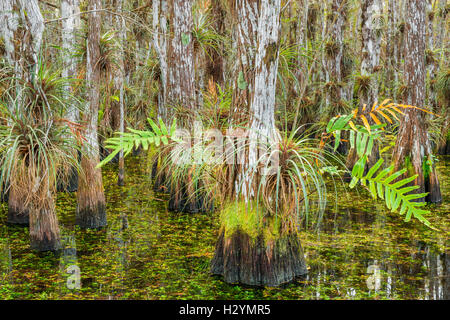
(126, 141)
(397, 195)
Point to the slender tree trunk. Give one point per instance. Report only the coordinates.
(371, 11)
(160, 45)
(371, 50)
(91, 209)
(119, 84)
(334, 49)
(71, 22)
(431, 60)
(413, 146)
(392, 48)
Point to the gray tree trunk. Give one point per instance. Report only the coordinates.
(181, 71)
(413, 146)
(160, 45)
(91, 206)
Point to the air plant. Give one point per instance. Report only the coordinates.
(36, 151)
(203, 33)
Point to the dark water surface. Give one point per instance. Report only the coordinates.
(361, 252)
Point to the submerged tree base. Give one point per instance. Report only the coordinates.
(18, 216)
(190, 203)
(258, 262)
(45, 244)
(92, 217)
(72, 183)
(17, 213)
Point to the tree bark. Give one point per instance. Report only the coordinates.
(119, 75)
(239, 258)
(91, 208)
(370, 53)
(181, 73)
(160, 45)
(44, 229)
(413, 146)
(70, 23)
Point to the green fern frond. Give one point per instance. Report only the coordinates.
(126, 141)
(396, 194)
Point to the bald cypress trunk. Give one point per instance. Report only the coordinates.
(392, 48)
(413, 148)
(334, 50)
(70, 23)
(181, 74)
(185, 195)
(119, 78)
(240, 257)
(160, 44)
(91, 206)
(371, 11)
(44, 228)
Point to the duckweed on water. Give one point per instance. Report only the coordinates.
(149, 253)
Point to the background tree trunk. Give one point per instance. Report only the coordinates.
(160, 45)
(413, 148)
(70, 23)
(119, 78)
(181, 72)
(91, 208)
(371, 11)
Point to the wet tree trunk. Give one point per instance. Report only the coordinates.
(71, 22)
(38, 200)
(17, 212)
(239, 258)
(91, 206)
(255, 262)
(44, 229)
(413, 146)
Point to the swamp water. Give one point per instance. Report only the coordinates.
(361, 252)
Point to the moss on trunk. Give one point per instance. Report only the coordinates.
(253, 250)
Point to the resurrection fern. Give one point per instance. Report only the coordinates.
(126, 141)
(396, 194)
